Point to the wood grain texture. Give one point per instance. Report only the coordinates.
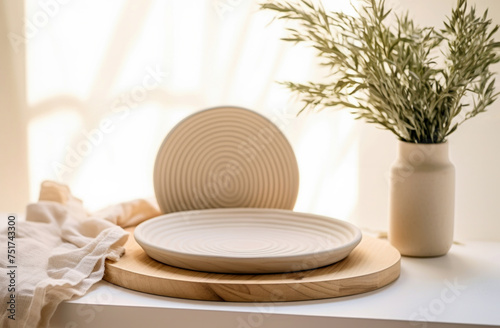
(374, 263)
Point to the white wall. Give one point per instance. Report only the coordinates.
(474, 150)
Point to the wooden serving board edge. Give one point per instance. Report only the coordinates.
(294, 288)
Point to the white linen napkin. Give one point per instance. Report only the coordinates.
(61, 250)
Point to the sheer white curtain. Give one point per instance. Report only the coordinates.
(13, 150)
(107, 80)
(90, 89)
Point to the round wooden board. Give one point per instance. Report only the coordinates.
(373, 264)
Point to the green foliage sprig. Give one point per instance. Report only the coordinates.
(388, 74)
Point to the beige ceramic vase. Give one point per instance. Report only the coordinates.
(422, 200)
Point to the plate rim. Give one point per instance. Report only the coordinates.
(350, 244)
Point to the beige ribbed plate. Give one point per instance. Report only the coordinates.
(247, 240)
(225, 157)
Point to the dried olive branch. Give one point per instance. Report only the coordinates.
(387, 74)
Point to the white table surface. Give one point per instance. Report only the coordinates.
(461, 289)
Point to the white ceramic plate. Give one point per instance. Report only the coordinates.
(225, 157)
(246, 240)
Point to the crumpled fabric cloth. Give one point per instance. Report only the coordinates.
(61, 250)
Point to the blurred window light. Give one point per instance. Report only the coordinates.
(106, 81)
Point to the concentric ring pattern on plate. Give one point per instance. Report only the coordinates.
(225, 157)
(246, 240)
